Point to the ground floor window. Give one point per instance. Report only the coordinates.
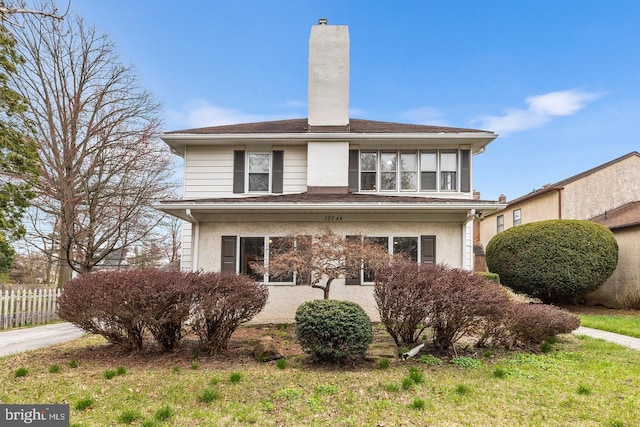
(251, 250)
(416, 248)
(240, 253)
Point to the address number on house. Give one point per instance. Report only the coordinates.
(332, 218)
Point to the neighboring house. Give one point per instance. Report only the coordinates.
(115, 260)
(247, 185)
(608, 194)
(625, 224)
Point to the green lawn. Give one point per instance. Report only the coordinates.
(580, 382)
(621, 324)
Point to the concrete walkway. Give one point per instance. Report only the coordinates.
(20, 340)
(623, 340)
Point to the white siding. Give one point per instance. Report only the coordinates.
(209, 171)
(185, 257)
(295, 169)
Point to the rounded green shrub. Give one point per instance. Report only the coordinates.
(553, 260)
(333, 331)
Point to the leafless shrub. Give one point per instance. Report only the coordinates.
(630, 300)
(464, 303)
(533, 323)
(223, 301)
(105, 303)
(121, 305)
(404, 300)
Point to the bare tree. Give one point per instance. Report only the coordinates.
(172, 241)
(102, 166)
(320, 259)
(9, 9)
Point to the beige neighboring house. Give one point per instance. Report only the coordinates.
(608, 194)
(248, 185)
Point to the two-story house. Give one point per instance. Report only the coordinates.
(608, 194)
(247, 185)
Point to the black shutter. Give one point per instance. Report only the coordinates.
(353, 171)
(465, 171)
(428, 249)
(278, 171)
(238, 171)
(228, 251)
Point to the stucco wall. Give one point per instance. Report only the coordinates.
(330, 165)
(284, 299)
(541, 208)
(603, 190)
(626, 278)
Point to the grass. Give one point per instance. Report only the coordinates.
(620, 324)
(581, 381)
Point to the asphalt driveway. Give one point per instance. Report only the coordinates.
(20, 340)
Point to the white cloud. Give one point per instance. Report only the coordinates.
(200, 113)
(541, 110)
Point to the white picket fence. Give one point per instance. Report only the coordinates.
(26, 307)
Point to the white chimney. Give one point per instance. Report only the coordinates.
(328, 75)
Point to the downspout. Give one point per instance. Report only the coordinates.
(196, 241)
(560, 202)
(467, 255)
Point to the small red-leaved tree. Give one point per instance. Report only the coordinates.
(317, 260)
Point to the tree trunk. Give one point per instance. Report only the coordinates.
(64, 270)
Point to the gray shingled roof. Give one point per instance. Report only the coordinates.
(322, 198)
(301, 126)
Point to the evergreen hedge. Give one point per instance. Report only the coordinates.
(553, 260)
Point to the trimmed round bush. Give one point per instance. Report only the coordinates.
(333, 331)
(553, 260)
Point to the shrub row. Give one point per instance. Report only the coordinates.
(453, 303)
(121, 305)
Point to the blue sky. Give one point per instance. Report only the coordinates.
(558, 80)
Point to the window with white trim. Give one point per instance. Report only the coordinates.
(499, 223)
(407, 170)
(258, 171)
(406, 245)
(256, 250)
(448, 170)
(258, 168)
(517, 217)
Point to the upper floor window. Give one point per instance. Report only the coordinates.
(517, 217)
(405, 170)
(259, 165)
(448, 171)
(259, 171)
(500, 223)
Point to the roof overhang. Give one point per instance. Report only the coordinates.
(192, 210)
(476, 140)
